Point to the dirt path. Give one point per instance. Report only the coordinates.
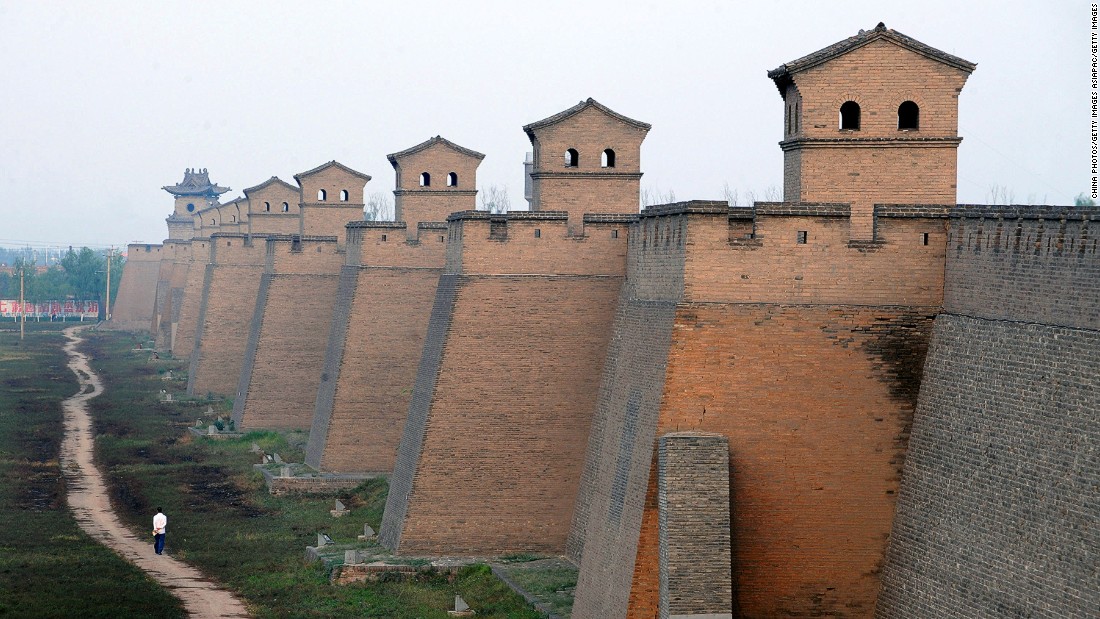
(89, 502)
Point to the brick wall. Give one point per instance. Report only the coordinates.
(183, 341)
(228, 302)
(995, 516)
(171, 280)
(288, 335)
(1031, 264)
(499, 466)
(694, 525)
(809, 364)
(385, 296)
(137, 292)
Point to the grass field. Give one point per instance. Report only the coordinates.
(48, 566)
(221, 518)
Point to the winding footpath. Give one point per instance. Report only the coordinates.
(88, 500)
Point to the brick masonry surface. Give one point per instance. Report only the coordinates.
(226, 309)
(184, 339)
(1013, 265)
(608, 516)
(998, 513)
(815, 397)
(694, 525)
(498, 468)
(358, 426)
(288, 335)
(133, 309)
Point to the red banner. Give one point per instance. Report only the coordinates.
(10, 308)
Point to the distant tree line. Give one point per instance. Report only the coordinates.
(80, 274)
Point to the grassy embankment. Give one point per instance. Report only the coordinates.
(222, 519)
(48, 566)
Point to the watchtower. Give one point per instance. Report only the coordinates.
(434, 179)
(871, 119)
(194, 193)
(587, 159)
(332, 195)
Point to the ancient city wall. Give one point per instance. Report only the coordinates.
(137, 292)
(805, 350)
(183, 340)
(288, 334)
(997, 513)
(227, 304)
(483, 469)
(383, 302)
(170, 282)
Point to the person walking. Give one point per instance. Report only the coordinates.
(160, 523)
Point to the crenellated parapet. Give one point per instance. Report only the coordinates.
(537, 242)
(778, 252)
(388, 243)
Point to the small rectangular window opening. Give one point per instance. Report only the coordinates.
(538, 233)
(440, 238)
(383, 237)
(801, 237)
(614, 234)
(924, 238)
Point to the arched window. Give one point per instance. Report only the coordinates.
(849, 116)
(267, 207)
(572, 159)
(908, 116)
(452, 179)
(286, 207)
(607, 160)
(425, 179)
(343, 195)
(322, 194)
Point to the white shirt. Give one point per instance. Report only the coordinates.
(160, 522)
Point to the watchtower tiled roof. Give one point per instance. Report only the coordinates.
(428, 143)
(583, 105)
(324, 166)
(274, 180)
(195, 182)
(782, 75)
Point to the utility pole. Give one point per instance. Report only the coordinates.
(22, 303)
(107, 312)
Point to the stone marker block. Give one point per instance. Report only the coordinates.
(368, 533)
(255, 449)
(284, 471)
(351, 557)
(276, 458)
(211, 429)
(340, 510)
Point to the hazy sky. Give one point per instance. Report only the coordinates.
(103, 103)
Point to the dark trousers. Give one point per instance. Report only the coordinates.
(158, 542)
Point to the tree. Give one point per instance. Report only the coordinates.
(86, 271)
(1082, 199)
(379, 207)
(494, 199)
(652, 196)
